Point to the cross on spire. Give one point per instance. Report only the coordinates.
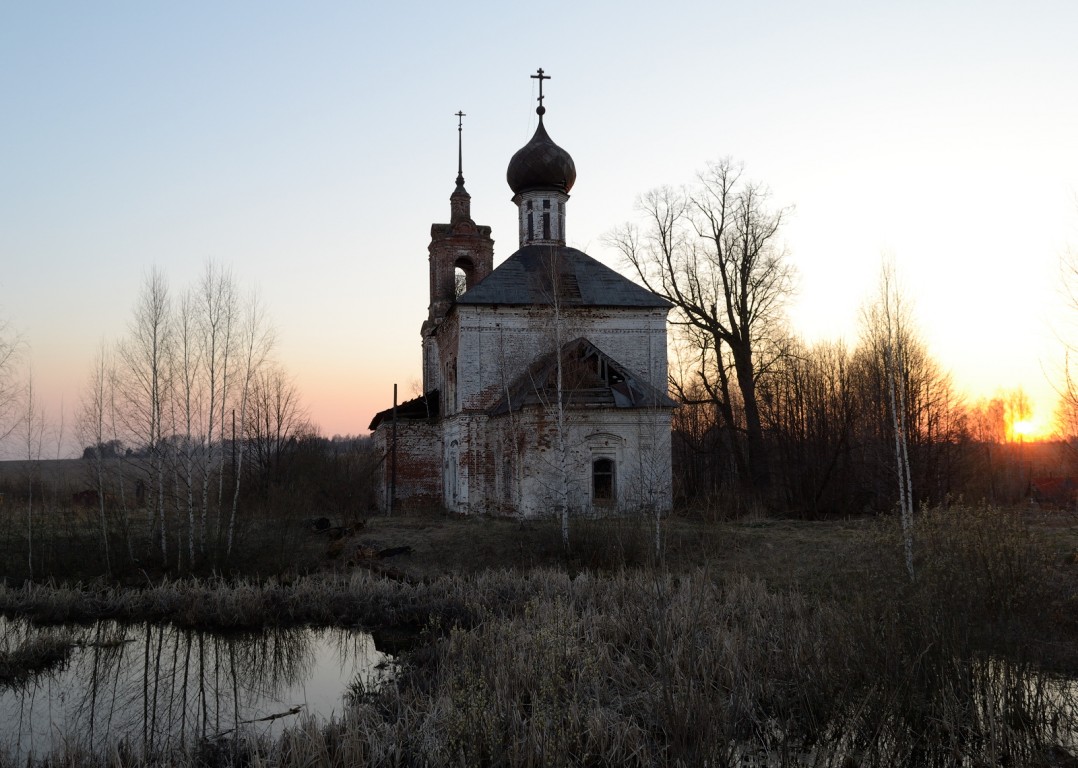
(460, 148)
(540, 110)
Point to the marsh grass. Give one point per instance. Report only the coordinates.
(965, 665)
(326, 600)
(24, 656)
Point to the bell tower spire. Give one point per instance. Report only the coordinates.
(460, 202)
(460, 148)
(460, 247)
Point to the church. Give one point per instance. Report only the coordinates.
(544, 379)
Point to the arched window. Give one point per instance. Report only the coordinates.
(602, 481)
(463, 274)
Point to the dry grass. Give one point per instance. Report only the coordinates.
(793, 643)
(23, 657)
(651, 669)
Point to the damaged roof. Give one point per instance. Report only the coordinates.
(590, 379)
(536, 274)
(418, 408)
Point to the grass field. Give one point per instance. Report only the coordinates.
(788, 642)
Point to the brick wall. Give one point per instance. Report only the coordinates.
(419, 464)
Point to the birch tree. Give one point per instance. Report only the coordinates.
(189, 396)
(1068, 387)
(562, 445)
(92, 428)
(888, 319)
(33, 438)
(146, 355)
(186, 368)
(516, 478)
(255, 344)
(217, 316)
(557, 405)
(10, 347)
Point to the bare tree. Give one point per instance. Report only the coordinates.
(712, 250)
(146, 355)
(808, 410)
(1018, 411)
(555, 402)
(33, 438)
(274, 417)
(1068, 380)
(10, 388)
(188, 397)
(218, 307)
(561, 443)
(255, 343)
(185, 376)
(887, 323)
(92, 428)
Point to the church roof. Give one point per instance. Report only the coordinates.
(590, 379)
(537, 273)
(422, 408)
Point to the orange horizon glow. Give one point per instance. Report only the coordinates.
(1031, 429)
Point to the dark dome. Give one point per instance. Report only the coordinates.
(541, 164)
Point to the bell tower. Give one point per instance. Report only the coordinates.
(460, 244)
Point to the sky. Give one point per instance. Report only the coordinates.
(309, 147)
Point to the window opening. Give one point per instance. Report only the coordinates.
(602, 480)
(607, 373)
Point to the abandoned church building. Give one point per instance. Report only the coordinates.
(544, 379)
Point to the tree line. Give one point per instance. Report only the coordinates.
(193, 429)
(820, 429)
(194, 436)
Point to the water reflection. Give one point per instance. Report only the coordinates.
(159, 687)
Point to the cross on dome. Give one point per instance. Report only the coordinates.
(460, 147)
(540, 110)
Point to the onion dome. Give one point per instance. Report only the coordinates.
(541, 164)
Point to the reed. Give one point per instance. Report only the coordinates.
(650, 666)
(29, 656)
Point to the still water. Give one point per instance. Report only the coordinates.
(158, 687)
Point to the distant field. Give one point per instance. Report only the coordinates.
(812, 556)
(815, 556)
(67, 475)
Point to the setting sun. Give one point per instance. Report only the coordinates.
(1023, 428)
(1031, 428)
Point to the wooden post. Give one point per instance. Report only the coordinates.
(393, 467)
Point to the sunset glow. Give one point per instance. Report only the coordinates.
(172, 135)
(1030, 429)
(1024, 428)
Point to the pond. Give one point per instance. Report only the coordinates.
(159, 687)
